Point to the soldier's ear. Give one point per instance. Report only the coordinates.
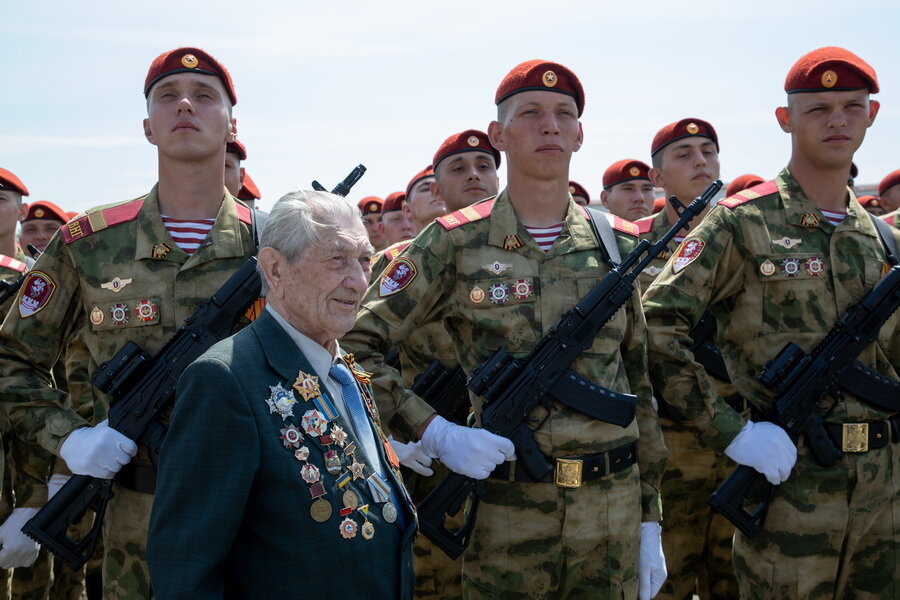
(604, 198)
(783, 116)
(147, 133)
(656, 178)
(580, 139)
(874, 106)
(495, 134)
(435, 189)
(232, 130)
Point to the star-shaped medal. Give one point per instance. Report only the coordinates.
(291, 436)
(357, 469)
(307, 386)
(281, 401)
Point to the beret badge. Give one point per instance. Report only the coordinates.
(190, 61)
(692, 128)
(634, 171)
(829, 78)
(550, 79)
(472, 141)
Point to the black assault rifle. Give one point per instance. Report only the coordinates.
(512, 388)
(8, 289)
(800, 381)
(142, 387)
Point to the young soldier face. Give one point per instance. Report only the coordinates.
(423, 206)
(188, 116)
(10, 211)
(630, 200)
(465, 178)
(539, 132)
(233, 173)
(38, 232)
(397, 226)
(688, 167)
(376, 237)
(827, 127)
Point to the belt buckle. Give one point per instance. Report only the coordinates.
(568, 472)
(855, 437)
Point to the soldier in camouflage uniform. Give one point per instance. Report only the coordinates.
(116, 275)
(627, 191)
(481, 272)
(696, 540)
(780, 263)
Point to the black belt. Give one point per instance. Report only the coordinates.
(138, 477)
(572, 471)
(862, 437)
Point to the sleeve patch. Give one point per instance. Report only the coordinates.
(398, 275)
(688, 252)
(37, 289)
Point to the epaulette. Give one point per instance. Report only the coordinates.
(469, 214)
(97, 219)
(392, 252)
(645, 224)
(245, 214)
(11, 263)
(617, 223)
(752, 193)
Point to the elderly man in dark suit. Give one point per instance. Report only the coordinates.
(275, 479)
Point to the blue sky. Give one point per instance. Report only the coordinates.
(323, 86)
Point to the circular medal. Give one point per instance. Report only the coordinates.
(119, 313)
(367, 531)
(314, 423)
(301, 453)
(320, 510)
(499, 293)
(476, 295)
(351, 500)
(389, 512)
(309, 473)
(348, 528)
(791, 267)
(767, 268)
(814, 266)
(97, 315)
(291, 436)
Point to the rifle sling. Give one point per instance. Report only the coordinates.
(606, 237)
(887, 239)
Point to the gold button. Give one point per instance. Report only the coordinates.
(692, 128)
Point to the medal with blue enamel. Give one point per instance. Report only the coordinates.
(281, 401)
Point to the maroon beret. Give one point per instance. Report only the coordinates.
(248, 191)
(238, 148)
(45, 210)
(625, 170)
(683, 129)
(370, 205)
(188, 60)
(423, 174)
(393, 202)
(830, 69)
(890, 180)
(868, 201)
(576, 189)
(742, 183)
(469, 140)
(541, 75)
(8, 181)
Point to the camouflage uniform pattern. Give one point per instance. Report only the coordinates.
(171, 280)
(830, 532)
(531, 540)
(696, 539)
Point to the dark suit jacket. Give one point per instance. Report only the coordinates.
(231, 516)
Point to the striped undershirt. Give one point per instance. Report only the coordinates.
(835, 218)
(188, 234)
(545, 236)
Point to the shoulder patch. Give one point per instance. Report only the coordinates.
(399, 274)
(757, 191)
(12, 263)
(469, 214)
(394, 251)
(623, 226)
(37, 289)
(645, 225)
(94, 221)
(244, 213)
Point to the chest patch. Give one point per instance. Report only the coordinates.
(688, 252)
(38, 289)
(398, 275)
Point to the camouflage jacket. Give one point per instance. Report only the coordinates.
(651, 229)
(111, 276)
(772, 270)
(480, 273)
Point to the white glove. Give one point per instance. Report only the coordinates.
(651, 561)
(57, 480)
(412, 456)
(98, 451)
(767, 448)
(19, 550)
(465, 450)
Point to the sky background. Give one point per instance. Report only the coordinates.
(323, 86)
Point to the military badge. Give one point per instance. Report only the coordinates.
(39, 288)
(389, 512)
(829, 79)
(688, 252)
(790, 267)
(693, 128)
(301, 453)
(550, 79)
(809, 220)
(499, 293)
(350, 499)
(357, 469)
(314, 423)
(348, 528)
(332, 462)
(160, 251)
(291, 437)
(338, 435)
(146, 311)
(39, 212)
(787, 242)
(307, 386)
(397, 276)
(320, 510)
(97, 315)
(367, 531)
(472, 141)
(116, 284)
(523, 289)
(512, 242)
(476, 295)
(497, 267)
(814, 266)
(652, 271)
(317, 490)
(378, 488)
(310, 473)
(634, 171)
(119, 313)
(190, 61)
(281, 401)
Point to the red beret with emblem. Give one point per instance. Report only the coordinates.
(423, 174)
(370, 205)
(742, 183)
(8, 181)
(868, 201)
(544, 76)
(887, 183)
(625, 170)
(45, 210)
(393, 202)
(188, 60)
(238, 148)
(830, 69)
(576, 189)
(249, 191)
(679, 130)
(470, 140)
